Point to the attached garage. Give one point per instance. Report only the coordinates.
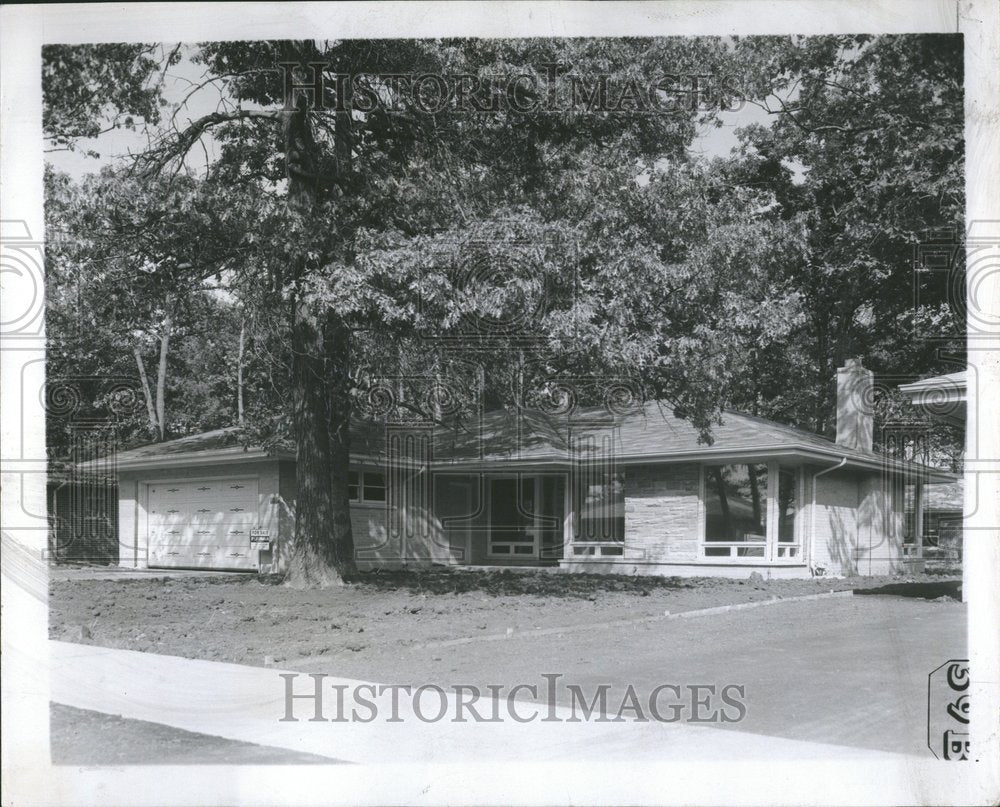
(203, 502)
(208, 502)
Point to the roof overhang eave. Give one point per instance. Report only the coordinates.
(220, 456)
(802, 453)
(799, 452)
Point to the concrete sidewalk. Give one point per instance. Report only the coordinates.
(246, 703)
(62, 573)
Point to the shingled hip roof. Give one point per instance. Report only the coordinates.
(507, 437)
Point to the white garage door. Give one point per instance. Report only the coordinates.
(203, 525)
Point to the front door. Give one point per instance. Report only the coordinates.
(513, 523)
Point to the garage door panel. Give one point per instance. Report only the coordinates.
(243, 491)
(205, 557)
(203, 524)
(200, 509)
(224, 533)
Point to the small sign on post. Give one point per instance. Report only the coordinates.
(260, 538)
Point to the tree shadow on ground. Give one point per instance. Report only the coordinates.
(930, 590)
(508, 582)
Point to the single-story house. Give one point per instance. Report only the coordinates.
(591, 490)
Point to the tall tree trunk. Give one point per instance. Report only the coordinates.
(239, 372)
(822, 359)
(147, 393)
(161, 377)
(314, 560)
(323, 554)
(338, 353)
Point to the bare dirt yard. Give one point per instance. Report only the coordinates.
(255, 620)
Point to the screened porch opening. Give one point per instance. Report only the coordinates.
(497, 518)
(525, 516)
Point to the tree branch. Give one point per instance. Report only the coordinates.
(177, 145)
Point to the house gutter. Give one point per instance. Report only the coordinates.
(805, 453)
(812, 511)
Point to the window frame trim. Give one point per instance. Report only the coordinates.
(577, 517)
(772, 517)
(360, 499)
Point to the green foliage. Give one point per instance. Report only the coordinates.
(671, 277)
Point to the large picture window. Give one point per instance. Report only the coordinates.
(788, 507)
(913, 518)
(736, 509)
(750, 511)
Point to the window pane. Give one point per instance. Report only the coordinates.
(352, 485)
(736, 503)
(909, 513)
(374, 487)
(602, 510)
(787, 506)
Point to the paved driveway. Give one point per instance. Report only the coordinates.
(850, 672)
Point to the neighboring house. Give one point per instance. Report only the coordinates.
(943, 507)
(589, 491)
(943, 398)
(83, 516)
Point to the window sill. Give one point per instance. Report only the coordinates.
(597, 550)
(750, 562)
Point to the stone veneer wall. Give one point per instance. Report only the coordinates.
(662, 513)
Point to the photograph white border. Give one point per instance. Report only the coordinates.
(29, 777)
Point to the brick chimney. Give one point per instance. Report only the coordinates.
(855, 390)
